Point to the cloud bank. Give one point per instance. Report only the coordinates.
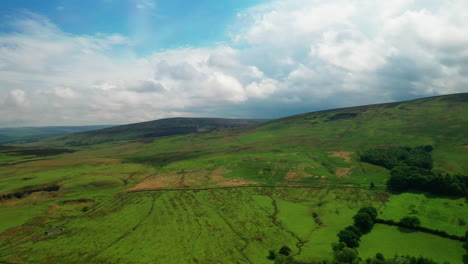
(281, 58)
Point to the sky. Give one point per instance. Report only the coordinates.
(95, 62)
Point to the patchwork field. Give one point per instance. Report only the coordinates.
(215, 226)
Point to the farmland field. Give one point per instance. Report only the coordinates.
(239, 224)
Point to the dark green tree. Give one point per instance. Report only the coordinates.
(354, 229)
(349, 238)
(285, 251)
(346, 255)
(364, 222)
(371, 211)
(410, 221)
(271, 255)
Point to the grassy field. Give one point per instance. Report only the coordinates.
(212, 226)
(390, 241)
(124, 220)
(447, 214)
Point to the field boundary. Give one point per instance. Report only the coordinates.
(263, 186)
(421, 229)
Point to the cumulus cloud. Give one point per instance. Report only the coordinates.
(282, 58)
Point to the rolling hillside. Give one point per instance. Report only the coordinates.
(238, 193)
(152, 129)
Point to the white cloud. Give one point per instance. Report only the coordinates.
(284, 57)
(145, 4)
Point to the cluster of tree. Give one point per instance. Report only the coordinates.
(391, 157)
(281, 256)
(405, 178)
(363, 222)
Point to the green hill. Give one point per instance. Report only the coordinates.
(231, 196)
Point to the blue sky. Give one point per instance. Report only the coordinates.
(92, 62)
(154, 25)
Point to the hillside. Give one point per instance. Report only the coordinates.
(295, 182)
(152, 129)
(21, 135)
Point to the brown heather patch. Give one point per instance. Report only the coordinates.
(465, 147)
(342, 154)
(190, 179)
(160, 181)
(236, 182)
(292, 176)
(218, 174)
(295, 175)
(343, 172)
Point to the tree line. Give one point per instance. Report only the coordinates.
(411, 170)
(404, 178)
(396, 156)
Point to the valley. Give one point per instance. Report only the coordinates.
(231, 194)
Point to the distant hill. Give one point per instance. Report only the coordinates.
(152, 129)
(324, 143)
(20, 135)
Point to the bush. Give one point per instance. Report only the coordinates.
(271, 255)
(285, 251)
(410, 221)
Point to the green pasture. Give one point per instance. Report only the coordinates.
(391, 241)
(439, 213)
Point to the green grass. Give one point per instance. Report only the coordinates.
(228, 226)
(449, 215)
(390, 241)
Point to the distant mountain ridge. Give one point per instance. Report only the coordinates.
(153, 129)
(19, 135)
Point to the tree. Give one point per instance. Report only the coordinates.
(349, 238)
(364, 222)
(354, 229)
(379, 256)
(346, 255)
(271, 255)
(372, 185)
(410, 221)
(371, 211)
(285, 251)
